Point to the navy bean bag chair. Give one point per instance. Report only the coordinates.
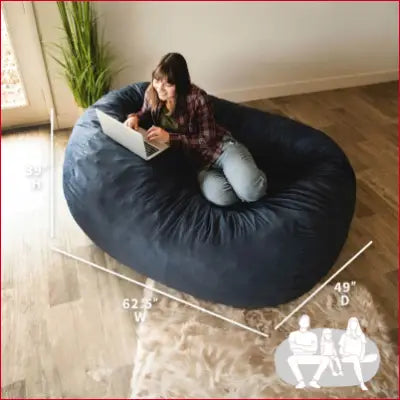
(153, 217)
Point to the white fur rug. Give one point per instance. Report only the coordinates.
(183, 352)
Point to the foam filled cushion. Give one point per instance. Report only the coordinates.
(152, 216)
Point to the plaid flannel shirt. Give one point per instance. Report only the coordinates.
(198, 134)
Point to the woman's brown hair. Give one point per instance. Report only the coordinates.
(174, 69)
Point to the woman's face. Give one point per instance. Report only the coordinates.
(353, 324)
(164, 89)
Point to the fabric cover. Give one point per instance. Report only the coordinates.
(151, 215)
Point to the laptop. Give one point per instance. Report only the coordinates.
(133, 140)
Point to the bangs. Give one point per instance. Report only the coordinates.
(159, 74)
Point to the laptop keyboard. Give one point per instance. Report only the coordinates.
(150, 149)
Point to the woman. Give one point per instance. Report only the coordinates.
(182, 116)
(352, 349)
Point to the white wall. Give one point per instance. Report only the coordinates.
(245, 50)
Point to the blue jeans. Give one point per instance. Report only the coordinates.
(233, 177)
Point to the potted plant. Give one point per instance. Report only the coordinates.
(85, 59)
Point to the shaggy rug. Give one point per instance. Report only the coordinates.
(183, 352)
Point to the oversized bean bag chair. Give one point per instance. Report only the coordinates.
(152, 216)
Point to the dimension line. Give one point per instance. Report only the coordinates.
(324, 284)
(51, 192)
(161, 292)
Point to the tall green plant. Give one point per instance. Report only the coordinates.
(85, 58)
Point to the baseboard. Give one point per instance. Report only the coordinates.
(307, 86)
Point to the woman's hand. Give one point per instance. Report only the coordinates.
(132, 121)
(157, 133)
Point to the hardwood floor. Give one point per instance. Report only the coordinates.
(64, 330)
